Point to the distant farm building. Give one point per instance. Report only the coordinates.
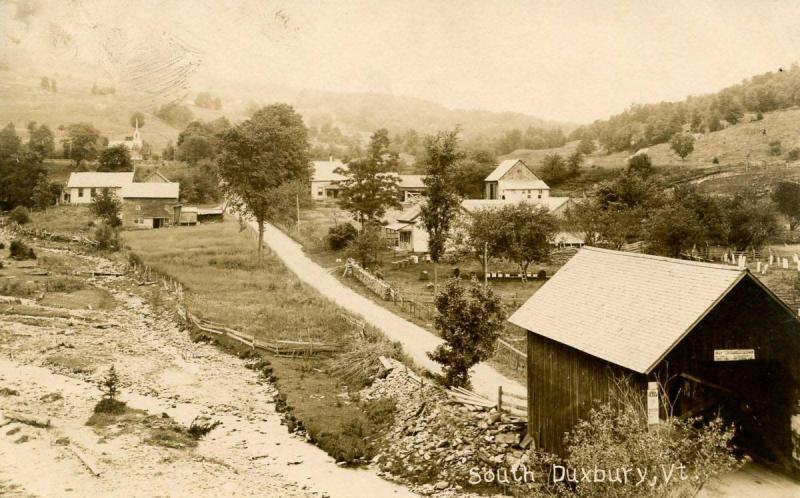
(325, 180)
(715, 337)
(144, 204)
(411, 187)
(513, 180)
(408, 232)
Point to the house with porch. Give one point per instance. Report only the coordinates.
(82, 187)
(408, 232)
(711, 338)
(325, 180)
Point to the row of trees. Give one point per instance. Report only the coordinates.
(23, 178)
(645, 125)
(637, 206)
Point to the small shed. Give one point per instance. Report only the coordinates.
(727, 342)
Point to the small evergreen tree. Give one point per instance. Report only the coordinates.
(469, 319)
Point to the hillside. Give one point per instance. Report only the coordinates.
(24, 101)
(737, 145)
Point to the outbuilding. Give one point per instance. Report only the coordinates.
(713, 335)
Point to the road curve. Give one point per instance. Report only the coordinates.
(415, 340)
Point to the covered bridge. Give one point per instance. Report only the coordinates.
(727, 342)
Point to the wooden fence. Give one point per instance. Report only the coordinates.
(41, 233)
(511, 357)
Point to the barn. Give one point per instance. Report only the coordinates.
(728, 344)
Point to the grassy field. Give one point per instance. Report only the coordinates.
(64, 219)
(224, 283)
(738, 144)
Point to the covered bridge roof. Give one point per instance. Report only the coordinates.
(626, 308)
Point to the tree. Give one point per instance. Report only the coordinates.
(469, 319)
(18, 175)
(574, 163)
(10, 142)
(169, 151)
(370, 186)
(470, 173)
(137, 119)
(107, 206)
(44, 195)
(84, 141)
(640, 164)
(199, 140)
(441, 206)
(259, 158)
(673, 229)
(526, 233)
(116, 158)
(554, 169)
(366, 246)
(682, 144)
(752, 221)
(586, 146)
(41, 141)
(787, 198)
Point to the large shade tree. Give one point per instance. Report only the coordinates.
(371, 184)
(442, 204)
(261, 160)
(84, 142)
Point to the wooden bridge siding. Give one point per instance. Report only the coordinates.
(563, 384)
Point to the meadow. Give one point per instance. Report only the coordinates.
(224, 282)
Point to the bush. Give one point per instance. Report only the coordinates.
(616, 434)
(110, 406)
(19, 250)
(64, 284)
(20, 215)
(775, 148)
(793, 154)
(340, 236)
(106, 237)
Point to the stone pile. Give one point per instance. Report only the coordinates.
(435, 442)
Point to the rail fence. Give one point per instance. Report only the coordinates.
(41, 233)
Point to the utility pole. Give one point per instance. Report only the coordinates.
(297, 203)
(486, 264)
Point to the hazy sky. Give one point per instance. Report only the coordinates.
(563, 60)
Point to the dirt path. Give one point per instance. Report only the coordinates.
(416, 341)
(50, 361)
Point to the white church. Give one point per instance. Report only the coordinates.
(133, 144)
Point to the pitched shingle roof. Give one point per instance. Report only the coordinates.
(411, 181)
(163, 190)
(628, 309)
(99, 180)
(324, 171)
(502, 168)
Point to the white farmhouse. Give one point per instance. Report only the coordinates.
(325, 180)
(513, 180)
(83, 187)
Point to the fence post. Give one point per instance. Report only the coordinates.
(499, 398)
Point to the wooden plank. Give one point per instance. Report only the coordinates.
(86, 460)
(515, 396)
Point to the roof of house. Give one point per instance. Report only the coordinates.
(410, 214)
(155, 177)
(92, 179)
(162, 190)
(324, 171)
(554, 203)
(626, 308)
(501, 170)
(472, 205)
(412, 181)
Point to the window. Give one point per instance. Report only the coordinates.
(91, 192)
(405, 237)
(540, 194)
(80, 192)
(139, 221)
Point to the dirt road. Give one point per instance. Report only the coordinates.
(50, 362)
(416, 341)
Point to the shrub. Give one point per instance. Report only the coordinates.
(715, 160)
(110, 406)
(20, 215)
(18, 288)
(106, 237)
(775, 148)
(616, 434)
(64, 284)
(19, 250)
(340, 236)
(793, 154)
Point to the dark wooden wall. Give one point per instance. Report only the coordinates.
(563, 384)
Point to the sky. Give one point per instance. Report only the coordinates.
(564, 60)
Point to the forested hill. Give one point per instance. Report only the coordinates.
(650, 124)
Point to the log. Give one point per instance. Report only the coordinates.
(33, 420)
(87, 461)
